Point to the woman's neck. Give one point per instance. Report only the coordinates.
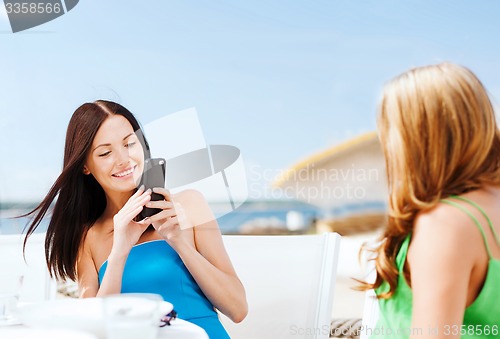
(114, 203)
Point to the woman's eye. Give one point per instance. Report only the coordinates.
(130, 144)
(104, 154)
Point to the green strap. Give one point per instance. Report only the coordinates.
(465, 210)
(401, 257)
(497, 239)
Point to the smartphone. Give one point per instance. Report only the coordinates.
(153, 176)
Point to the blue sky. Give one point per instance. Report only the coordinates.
(278, 79)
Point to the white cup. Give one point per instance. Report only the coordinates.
(10, 288)
(132, 315)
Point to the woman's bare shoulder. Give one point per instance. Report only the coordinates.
(196, 208)
(97, 237)
(448, 228)
(188, 195)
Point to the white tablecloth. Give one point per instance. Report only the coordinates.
(179, 329)
(53, 319)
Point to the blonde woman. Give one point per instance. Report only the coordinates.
(438, 266)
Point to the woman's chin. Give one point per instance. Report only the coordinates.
(124, 187)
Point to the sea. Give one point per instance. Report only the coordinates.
(293, 215)
(249, 214)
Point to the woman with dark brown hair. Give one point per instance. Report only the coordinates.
(95, 238)
(438, 265)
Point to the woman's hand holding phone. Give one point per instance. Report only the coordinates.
(171, 220)
(127, 231)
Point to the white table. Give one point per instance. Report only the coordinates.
(52, 319)
(179, 329)
(182, 329)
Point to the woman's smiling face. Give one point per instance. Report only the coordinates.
(116, 158)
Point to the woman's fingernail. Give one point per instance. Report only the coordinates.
(141, 188)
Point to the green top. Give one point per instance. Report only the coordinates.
(481, 318)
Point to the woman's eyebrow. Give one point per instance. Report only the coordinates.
(128, 135)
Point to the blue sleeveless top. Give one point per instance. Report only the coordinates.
(155, 267)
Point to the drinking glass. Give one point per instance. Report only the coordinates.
(10, 289)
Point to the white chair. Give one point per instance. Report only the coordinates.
(370, 315)
(370, 309)
(289, 282)
(37, 284)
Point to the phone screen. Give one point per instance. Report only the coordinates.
(153, 176)
(154, 173)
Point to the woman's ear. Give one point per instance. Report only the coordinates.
(86, 170)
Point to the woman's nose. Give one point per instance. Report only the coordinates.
(123, 157)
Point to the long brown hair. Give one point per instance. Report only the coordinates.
(439, 135)
(80, 198)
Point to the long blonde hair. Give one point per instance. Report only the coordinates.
(439, 136)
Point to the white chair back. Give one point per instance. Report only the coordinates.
(370, 315)
(289, 281)
(370, 310)
(37, 284)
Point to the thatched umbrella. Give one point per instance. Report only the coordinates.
(347, 181)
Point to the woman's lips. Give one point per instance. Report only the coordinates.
(124, 174)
